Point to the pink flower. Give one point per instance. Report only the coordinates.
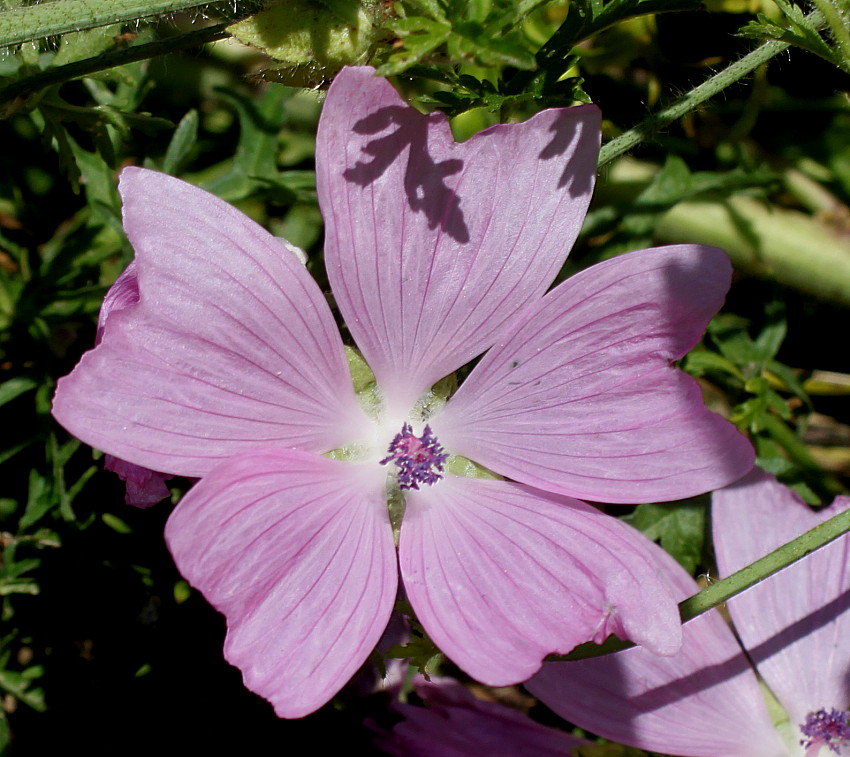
(456, 724)
(230, 368)
(706, 701)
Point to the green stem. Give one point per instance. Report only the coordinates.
(708, 89)
(88, 66)
(44, 20)
(838, 27)
(738, 582)
(752, 574)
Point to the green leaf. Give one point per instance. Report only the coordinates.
(800, 32)
(17, 684)
(729, 333)
(669, 186)
(10, 452)
(773, 334)
(14, 387)
(790, 379)
(259, 134)
(99, 182)
(39, 501)
(431, 7)
(508, 50)
(116, 523)
(421, 36)
(678, 526)
(183, 144)
(700, 362)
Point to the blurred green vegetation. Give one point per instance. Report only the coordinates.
(102, 645)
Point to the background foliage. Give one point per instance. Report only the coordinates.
(102, 644)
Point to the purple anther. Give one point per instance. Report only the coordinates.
(830, 729)
(420, 459)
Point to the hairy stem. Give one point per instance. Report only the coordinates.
(708, 89)
(30, 84)
(753, 573)
(38, 21)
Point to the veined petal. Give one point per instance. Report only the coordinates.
(143, 487)
(123, 293)
(795, 624)
(297, 551)
(582, 399)
(431, 245)
(231, 345)
(703, 701)
(500, 575)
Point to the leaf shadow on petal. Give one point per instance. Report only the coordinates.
(566, 132)
(695, 682)
(705, 677)
(799, 629)
(424, 179)
(617, 675)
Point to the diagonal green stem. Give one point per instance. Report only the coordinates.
(738, 582)
(88, 66)
(708, 89)
(780, 558)
(46, 19)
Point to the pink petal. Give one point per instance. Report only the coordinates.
(500, 575)
(703, 701)
(795, 624)
(582, 400)
(144, 487)
(231, 345)
(123, 294)
(456, 724)
(432, 246)
(296, 550)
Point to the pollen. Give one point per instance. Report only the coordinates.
(829, 729)
(420, 459)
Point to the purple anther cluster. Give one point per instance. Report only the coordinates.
(831, 729)
(420, 459)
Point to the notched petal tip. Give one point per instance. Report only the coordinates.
(400, 197)
(500, 575)
(671, 704)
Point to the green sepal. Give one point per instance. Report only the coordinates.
(463, 466)
(332, 33)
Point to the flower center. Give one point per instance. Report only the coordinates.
(420, 459)
(829, 729)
